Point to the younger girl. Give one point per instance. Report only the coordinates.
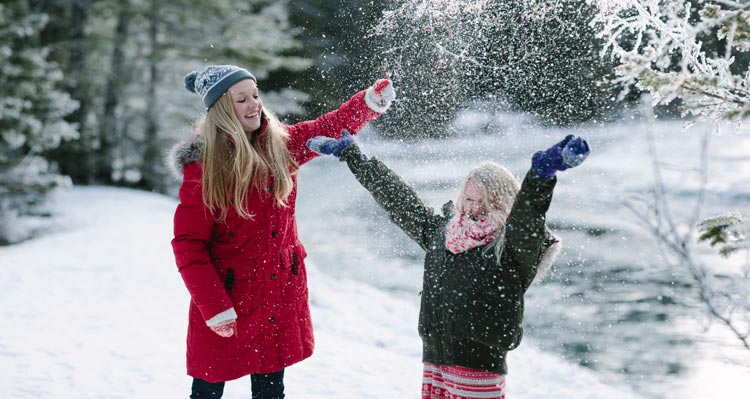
(481, 256)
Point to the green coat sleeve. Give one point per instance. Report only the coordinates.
(396, 197)
(525, 226)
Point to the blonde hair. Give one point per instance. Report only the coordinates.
(498, 185)
(499, 188)
(234, 163)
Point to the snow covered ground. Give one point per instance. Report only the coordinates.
(95, 308)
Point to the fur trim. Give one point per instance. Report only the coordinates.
(184, 153)
(552, 248)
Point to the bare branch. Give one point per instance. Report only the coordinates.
(726, 303)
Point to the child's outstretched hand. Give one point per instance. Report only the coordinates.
(380, 95)
(568, 153)
(328, 146)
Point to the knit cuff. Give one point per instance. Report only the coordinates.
(375, 105)
(222, 318)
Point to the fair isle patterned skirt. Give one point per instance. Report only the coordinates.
(456, 382)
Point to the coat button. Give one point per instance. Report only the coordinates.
(271, 319)
(274, 233)
(272, 276)
(231, 234)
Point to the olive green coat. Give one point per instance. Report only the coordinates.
(471, 310)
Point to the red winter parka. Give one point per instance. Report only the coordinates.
(256, 266)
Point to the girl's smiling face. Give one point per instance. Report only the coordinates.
(473, 202)
(247, 104)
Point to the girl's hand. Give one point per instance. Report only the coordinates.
(568, 153)
(225, 330)
(380, 95)
(329, 146)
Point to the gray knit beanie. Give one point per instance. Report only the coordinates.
(213, 81)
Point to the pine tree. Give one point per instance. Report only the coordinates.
(124, 60)
(545, 60)
(32, 111)
(428, 46)
(535, 56)
(336, 39)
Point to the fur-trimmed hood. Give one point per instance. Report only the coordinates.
(184, 153)
(191, 150)
(551, 248)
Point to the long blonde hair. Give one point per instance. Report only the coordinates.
(499, 187)
(234, 163)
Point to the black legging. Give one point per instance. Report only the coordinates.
(264, 386)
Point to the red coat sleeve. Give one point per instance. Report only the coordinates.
(351, 116)
(193, 226)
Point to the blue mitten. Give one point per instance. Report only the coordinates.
(328, 146)
(568, 153)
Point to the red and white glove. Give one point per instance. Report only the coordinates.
(380, 95)
(225, 330)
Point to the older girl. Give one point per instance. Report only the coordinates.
(481, 256)
(235, 235)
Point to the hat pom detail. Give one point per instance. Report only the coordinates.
(190, 81)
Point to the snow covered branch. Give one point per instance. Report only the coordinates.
(731, 232)
(676, 51)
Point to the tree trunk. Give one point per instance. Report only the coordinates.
(56, 32)
(73, 158)
(151, 169)
(108, 133)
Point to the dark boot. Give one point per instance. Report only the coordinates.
(268, 386)
(206, 390)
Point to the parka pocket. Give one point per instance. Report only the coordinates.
(238, 278)
(294, 283)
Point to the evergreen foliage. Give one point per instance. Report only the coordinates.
(32, 112)
(92, 90)
(127, 68)
(345, 59)
(547, 62)
(728, 232)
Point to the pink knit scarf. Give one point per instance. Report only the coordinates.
(463, 233)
